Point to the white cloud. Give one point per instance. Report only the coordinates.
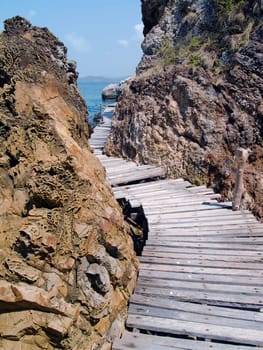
(78, 42)
(123, 42)
(138, 28)
(137, 36)
(32, 13)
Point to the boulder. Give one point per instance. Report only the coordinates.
(110, 92)
(113, 91)
(58, 218)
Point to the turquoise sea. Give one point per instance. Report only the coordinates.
(91, 91)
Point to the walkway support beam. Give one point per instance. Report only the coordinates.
(241, 159)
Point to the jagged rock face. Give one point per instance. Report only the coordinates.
(175, 21)
(197, 95)
(67, 262)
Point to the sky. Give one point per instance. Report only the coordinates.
(103, 36)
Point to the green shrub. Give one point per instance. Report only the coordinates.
(167, 52)
(227, 6)
(194, 59)
(195, 43)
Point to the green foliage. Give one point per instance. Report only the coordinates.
(227, 6)
(217, 68)
(189, 51)
(193, 49)
(194, 59)
(246, 35)
(167, 52)
(195, 43)
(170, 54)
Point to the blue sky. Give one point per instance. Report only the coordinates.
(103, 36)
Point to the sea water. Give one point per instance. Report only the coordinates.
(91, 91)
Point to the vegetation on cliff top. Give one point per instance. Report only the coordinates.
(230, 31)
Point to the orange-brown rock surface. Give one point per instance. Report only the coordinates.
(67, 265)
(197, 95)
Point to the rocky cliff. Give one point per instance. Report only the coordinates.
(197, 96)
(67, 265)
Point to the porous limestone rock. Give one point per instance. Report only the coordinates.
(197, 96)
(67, 265)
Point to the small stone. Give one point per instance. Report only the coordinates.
(116, 329)
(19, 267)
(66, 263)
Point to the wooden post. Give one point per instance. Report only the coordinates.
(241, 158)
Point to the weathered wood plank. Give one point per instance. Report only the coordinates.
(167, 191)
(140, 341)
(202, 251)
(199, 277)
(205, 270)
(206, 286)
(137, 172)
(171, 205)
(235, 238)
(199, 223)
(176, 197)
(241, 264)
(220, 246)
(204, 296)
(193, 317)
(221, 228)
(126, 169)
(184, 202)
(242, 228)
(95, 142)
(203, 309)
(178, 191)
(123, 344)
(204, 330)
(216, 213)
(181, 202)
(155, 184)
(178, 210)
(188, 203)
(109, 159)
(109, 163)
(135, 177)
(178, 256)
(97, 145)
(105, 130)
(149, 190)
(98, 136)
(220, 214)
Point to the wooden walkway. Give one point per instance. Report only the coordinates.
(119, 171)
(200, 283)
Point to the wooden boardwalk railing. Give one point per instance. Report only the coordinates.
(200, 283)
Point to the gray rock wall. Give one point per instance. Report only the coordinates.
(198, 93)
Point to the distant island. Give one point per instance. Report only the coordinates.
(97, 79)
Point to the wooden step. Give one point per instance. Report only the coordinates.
(140, 341)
